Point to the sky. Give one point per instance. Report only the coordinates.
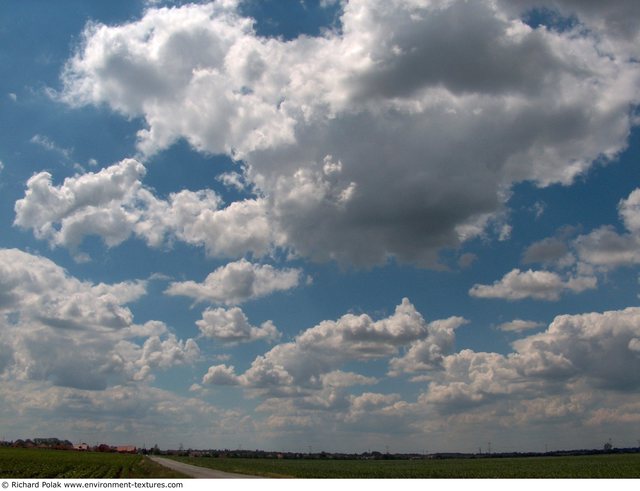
(344, 225)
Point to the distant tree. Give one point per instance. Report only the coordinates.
(608, 447)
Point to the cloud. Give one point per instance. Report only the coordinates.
(505, 232)
(601, 250)
(605, 248)
(368, 404)
(310, 362)
(360, 337)
(238, 282)
(629, 210)
(471, 379)
(428, 354)
(615, 23)
(6, 356)
(462, 100)
(220, 375)
(518, 325)
(231, 326)
(466, 260)
(338, 378)
(113, 204)
(538, 208)
(574, 355)
(233, 180)
(546, 251)
(538, 285)
(48, 315)
(87, 204)
(48, 144)
(595, 346)
(159, 353)
(240, 228)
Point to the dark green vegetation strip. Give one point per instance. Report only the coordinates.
(39, 463)
(592, 466)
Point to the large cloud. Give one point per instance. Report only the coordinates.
(77, 334)
(310, 361)
(113, 204)
(397, 134)
(576, 354)
(600, 347)
(93, 203)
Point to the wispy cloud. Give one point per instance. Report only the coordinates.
(48, 144)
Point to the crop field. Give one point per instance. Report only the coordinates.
(39, 463)
(592, 466)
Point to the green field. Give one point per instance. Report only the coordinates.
(593, 466)
(39, 463)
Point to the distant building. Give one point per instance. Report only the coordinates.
(83, 447)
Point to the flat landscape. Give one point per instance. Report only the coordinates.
(591, 466)
(42, 463)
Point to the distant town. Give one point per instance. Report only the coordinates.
(57, 444)
(66, 445)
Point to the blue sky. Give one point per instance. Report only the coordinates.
(346, 224)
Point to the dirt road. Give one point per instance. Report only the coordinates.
(199, 472)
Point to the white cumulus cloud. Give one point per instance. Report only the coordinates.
(73, 333)
(311, 362)
(114, 204)
(231, 325)
(238, 282)
(538, 285)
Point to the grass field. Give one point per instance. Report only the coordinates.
(39, 463)
(593, 466)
